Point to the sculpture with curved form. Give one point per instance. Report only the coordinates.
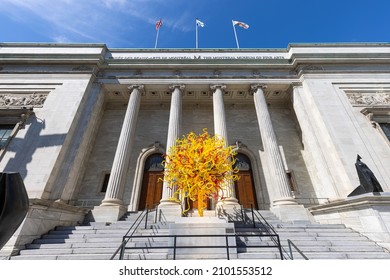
(13, 205)
(368, 181)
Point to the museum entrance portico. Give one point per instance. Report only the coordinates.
(236, 112)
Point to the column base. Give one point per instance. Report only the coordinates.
(169, 211)
(292, 213)
(108, 213)
(285, 201)
(229, 208)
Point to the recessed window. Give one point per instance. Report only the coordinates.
(291, 180)
(5, 134)
(105, 182)
(386, 129)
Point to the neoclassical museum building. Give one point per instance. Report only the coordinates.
(87, 126)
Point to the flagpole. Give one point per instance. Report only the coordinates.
(155, 45)
(235, 34)
(196, 34)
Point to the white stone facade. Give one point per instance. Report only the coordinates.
(326, 103)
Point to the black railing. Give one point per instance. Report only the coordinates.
(256, 221)
(290, 245)
(134, 227)
(263, 224)
(259, 222)
(174, 238)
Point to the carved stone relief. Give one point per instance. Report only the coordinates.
(369, 99)
(35, 99)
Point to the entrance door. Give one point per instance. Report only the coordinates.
(244, 187)
(245, 190)
(151, 189)
(152, 184)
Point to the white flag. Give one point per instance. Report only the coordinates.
(241, 24)
(199, 23)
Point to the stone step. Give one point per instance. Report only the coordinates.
(73, 245)
(303, 243)
(100, 240)
(355, 249)
(69, 251)
(205, 256)
(259, 255)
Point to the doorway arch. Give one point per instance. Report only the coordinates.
(155, 148)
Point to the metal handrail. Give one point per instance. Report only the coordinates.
(269, 227)
(176, 236)
(290, 243)
(133, 227)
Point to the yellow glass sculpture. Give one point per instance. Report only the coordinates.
(198, 167)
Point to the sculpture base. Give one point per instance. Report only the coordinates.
(229, 208)
(108, 213)
(202, 227)
(168, 211)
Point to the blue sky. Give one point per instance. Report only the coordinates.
(131, 23)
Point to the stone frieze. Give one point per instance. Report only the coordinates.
(11, 100)
(369, 99)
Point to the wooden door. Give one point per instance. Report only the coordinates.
(151, 191)
(245, 191)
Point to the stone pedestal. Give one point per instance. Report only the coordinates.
(43, 215)
(368, 214)
(292, 213)
(229, 208)
(203, 226)
(108, 213)
(169, 211)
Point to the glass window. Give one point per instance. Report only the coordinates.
(386, 129)
(5, 133)
(105, 182)
(154, 163)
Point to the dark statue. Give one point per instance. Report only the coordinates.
(13, 205)
(368, 181)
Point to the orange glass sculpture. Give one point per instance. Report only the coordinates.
(198, 167)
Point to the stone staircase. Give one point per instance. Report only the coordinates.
(98, 241)
(316, 241)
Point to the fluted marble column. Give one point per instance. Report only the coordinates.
(112, 206)
(278, 174)
(221, 131)
(173, 133)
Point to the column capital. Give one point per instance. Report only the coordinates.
(255, 87)
(139, 87)
(216, 86)
(179, 86)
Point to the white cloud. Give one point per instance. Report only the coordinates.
(100, 20)
(61, 39)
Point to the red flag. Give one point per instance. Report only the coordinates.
(241, 24)
(158, 24)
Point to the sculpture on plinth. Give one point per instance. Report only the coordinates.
(13, 205)
(367, 179)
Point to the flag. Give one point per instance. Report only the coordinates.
(241, 24)
(199, 23)
(158, 24)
